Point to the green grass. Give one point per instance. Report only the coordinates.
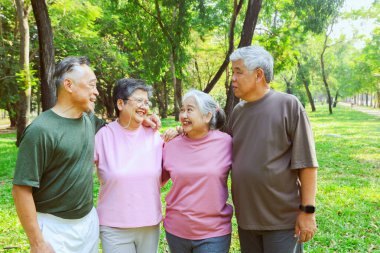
(348, 201)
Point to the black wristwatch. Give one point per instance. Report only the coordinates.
(307, 209)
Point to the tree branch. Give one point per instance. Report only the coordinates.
(211, 84)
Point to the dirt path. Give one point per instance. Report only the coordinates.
(5, 129)
(371, 111)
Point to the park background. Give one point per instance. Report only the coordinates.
(327, 53)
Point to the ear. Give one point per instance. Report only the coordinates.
(68, 85)
(120, 104)
(260, 76)
(207, 118)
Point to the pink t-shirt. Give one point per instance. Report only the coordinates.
(129, 170)
(196, 205)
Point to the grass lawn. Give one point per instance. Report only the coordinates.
(348, 201)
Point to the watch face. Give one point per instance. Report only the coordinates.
(309, 209)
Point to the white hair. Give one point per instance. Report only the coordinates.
(255, 57)
(207, 105)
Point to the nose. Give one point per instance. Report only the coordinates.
(183, 115)
(233, 78)
(96, 92)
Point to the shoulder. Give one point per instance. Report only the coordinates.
(238, 107)
(106, 129)
(285, 97)
(219, 135)
(174, 142)
(288, 100)
(44, 127)
(47, 122)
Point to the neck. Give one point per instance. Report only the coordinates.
(197, 135)
(67, 110)
(128, 125)
(259, 93)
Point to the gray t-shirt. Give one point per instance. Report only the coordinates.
(272, 139)
(55, 158)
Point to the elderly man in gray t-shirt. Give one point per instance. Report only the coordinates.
(274, 171)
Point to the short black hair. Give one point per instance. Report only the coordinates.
(125, 87)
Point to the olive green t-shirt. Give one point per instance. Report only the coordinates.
(55, 158)
(272, 139)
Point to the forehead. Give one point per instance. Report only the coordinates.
(239, 64)
(140, 93)
(83, 71)
(190, 102)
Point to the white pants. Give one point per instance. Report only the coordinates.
(71, 235)
(130, 240)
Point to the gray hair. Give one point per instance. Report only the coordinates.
(125, 87)
(66, 66)
(255, 57)
(207, 105)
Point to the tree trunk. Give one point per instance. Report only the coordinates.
(105, 96)
(288, 85)
(324, 76)
(160, 92)
(336, 98)
(378, 98)
(177, 85)
(251, 16)
(46, 52)
(12, 115)
(25, 86)
(306, 85)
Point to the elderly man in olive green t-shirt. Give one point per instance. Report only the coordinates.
(274, 162)
(52, 185)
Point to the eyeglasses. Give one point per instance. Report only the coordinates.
(141, 102)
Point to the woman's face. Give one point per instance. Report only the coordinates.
(194, 123)
(134, 110)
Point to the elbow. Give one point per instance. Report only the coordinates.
(14, 192)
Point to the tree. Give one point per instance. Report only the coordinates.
(46, 53)
(23, 11)
(9, 60)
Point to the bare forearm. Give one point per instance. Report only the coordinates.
(308, 178)
(26, 211)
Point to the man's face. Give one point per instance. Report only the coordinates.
(84, 88)
(243, 80)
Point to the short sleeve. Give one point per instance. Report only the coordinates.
(33, 156)
(303, 146)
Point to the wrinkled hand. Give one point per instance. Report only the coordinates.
(42, 248)
(152, 121)
(306, 226)
(169, 134)
(179, 129)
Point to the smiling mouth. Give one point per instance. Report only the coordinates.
(186, 123)
(141, 113)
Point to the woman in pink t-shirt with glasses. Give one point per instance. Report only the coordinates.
(128, 158)
(198, 218)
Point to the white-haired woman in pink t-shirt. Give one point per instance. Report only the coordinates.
(128, 158)
(198, 218)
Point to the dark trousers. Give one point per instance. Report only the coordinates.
(271, 241)
(220, 244)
